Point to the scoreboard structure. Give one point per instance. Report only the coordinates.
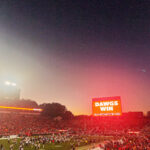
(106, 106)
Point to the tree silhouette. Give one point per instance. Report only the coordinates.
(53, 110)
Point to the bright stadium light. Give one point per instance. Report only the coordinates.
(7, 83)
(13, 84)
(10, 83)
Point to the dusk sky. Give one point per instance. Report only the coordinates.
(72, 51)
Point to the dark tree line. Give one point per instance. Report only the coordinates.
(54, 110)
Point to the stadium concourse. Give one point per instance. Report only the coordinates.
(39, 132)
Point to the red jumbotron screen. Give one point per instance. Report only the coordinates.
(106, 106)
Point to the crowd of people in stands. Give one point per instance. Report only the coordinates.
(23, 125)
(125, 134)
(127, 142)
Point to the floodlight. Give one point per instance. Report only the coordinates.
(13, 84)
(7, 83)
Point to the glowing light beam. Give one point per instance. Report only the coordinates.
(20, 108)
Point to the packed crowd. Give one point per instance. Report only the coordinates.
(24, 125)
(134, 142)
(39, 141)
(124, 134)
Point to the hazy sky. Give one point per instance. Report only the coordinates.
(71, 51)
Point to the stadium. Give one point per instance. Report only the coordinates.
(74, 74)
(31, 127)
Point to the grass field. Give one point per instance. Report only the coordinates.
(62, 146)
(55, 146)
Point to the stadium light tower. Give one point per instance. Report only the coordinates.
(10, 90)
(10, 83)
(7, 83)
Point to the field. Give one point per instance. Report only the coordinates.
(55, 146)
(63, 146)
